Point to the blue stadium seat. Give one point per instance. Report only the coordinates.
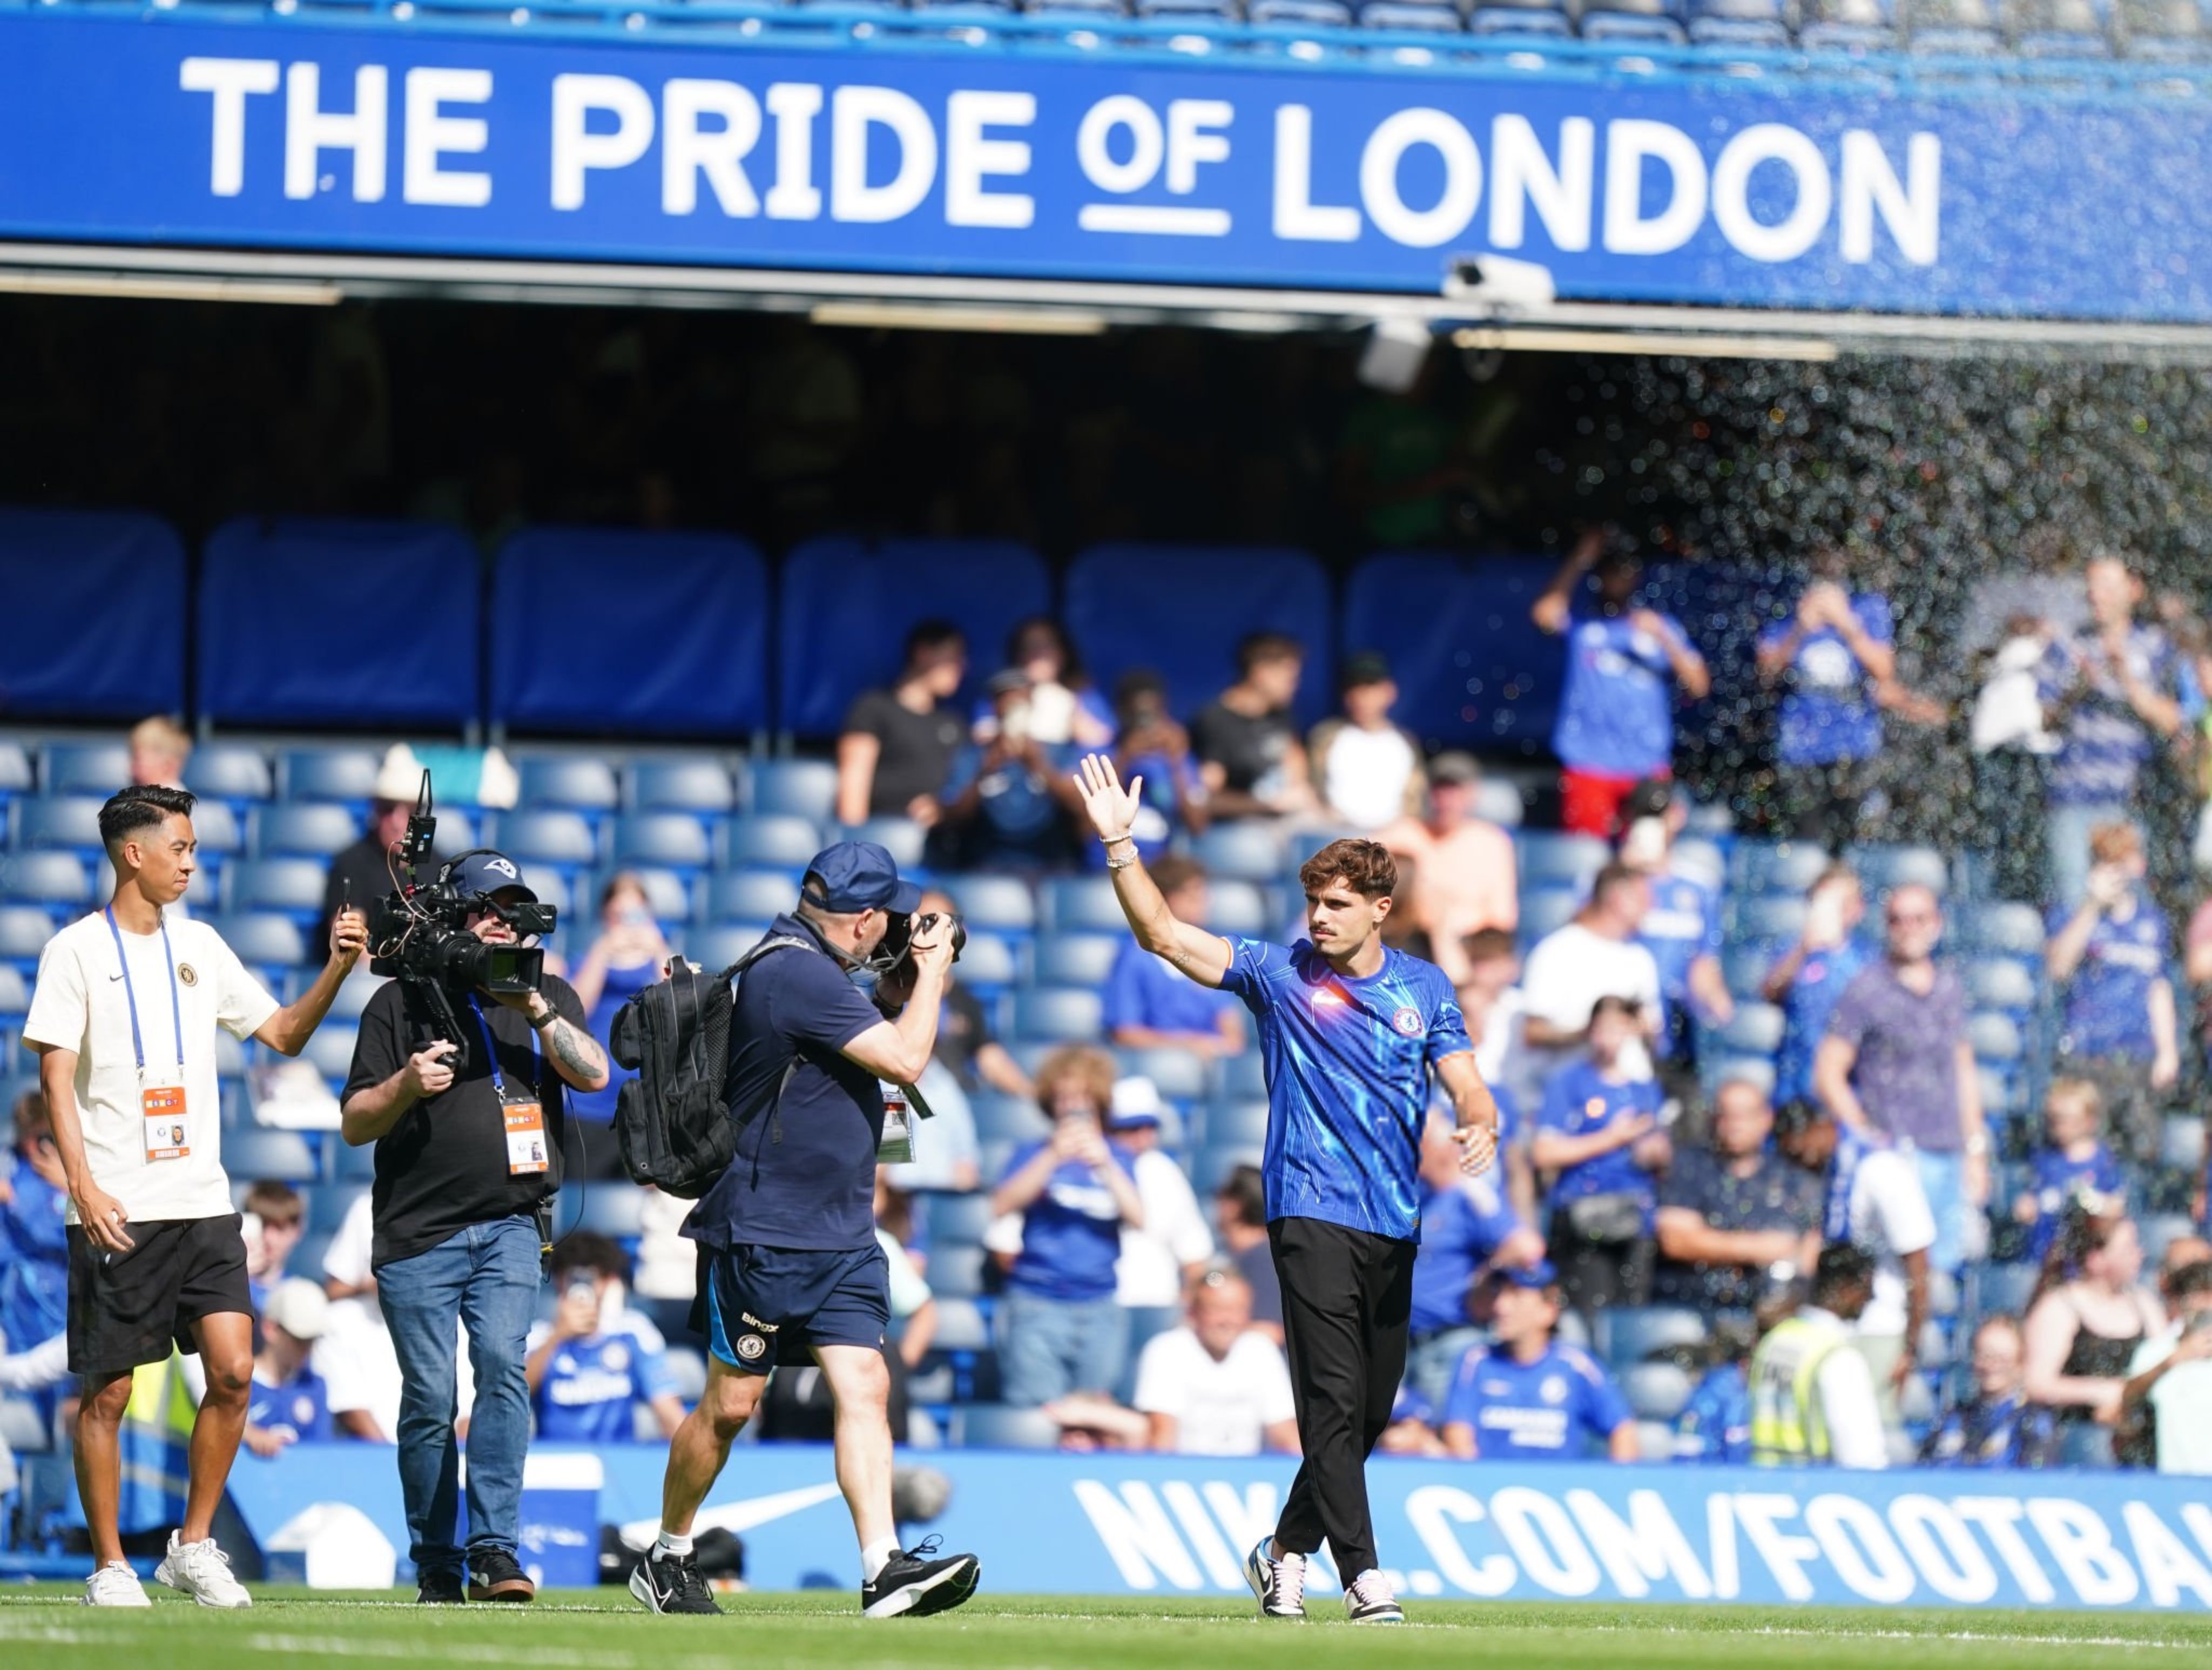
(1181, 1077)
(1082, 960)
(956, 1272)
(1241, 1124)
(771, 841)
(214, 826)
(1001, 1118)
(705, 787)
(124, 572)
(266, 583)
(902, 837)
(1296, 13)
(1113, 607)
(796, 788)
(1771, 916)
(265, 940)
(233, 773)
(2163, 31)
(1693, 855)
(16, 776)
(613, 1208)
(1549, 859)
(14, 992)
(674, 839)
(1057, 1013)
(306, 831)
(990, 963)
(1083, 903)
(1788, 867)
(1995, 1039)
(1531, 23)
(2002, 927)
(1848, 25)
(48, 878)
(569, 782)
(852, 602)
(668, 893)
(1628, 1334)
(291, 885)
(252, 1154)
(24, 929)
(2001, 983)
(1241, 908)
(2087, 1446)
(1002, 904)
(1956, 28)
(2181, 1143)
(1411, 18)
(718, 945)
(1755, 1029)
(1633, 23)
(1251, 852)
(1655, 1391)
(961, 1327)
(1759, 24)
(331, 1050)
(750, 896)
(997, 1426)
(1498, 800)
(353, 995)
(560, 838)
(94, 768)
(347, 775)
(1213, 1165)
(71, 825)
(684, 656)
(1885, 868)
(1547, 909)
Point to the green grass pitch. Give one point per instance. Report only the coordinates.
(43, 1628)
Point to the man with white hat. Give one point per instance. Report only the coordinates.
(289, 1401)
(1174, 1242)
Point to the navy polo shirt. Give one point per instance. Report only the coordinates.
(805, 1173)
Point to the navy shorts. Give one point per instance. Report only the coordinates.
(763, 1307)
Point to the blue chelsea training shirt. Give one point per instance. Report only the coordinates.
(1347, 1063)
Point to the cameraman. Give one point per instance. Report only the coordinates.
(464, 1160)
(789, 1266)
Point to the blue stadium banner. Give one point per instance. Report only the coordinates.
(1179, 1526)
(1972, 197)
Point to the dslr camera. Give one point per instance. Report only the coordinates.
(896, 949)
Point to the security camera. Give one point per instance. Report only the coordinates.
(1498, 282)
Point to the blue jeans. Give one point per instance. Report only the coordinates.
(1942, 1180)
(486, 1279)
(1056, 1347)
(2068, 833)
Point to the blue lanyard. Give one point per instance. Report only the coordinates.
(131, 996)
(491, 1052)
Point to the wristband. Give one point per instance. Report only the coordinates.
(551, 1016)
(1120, 863)
(1115, 840)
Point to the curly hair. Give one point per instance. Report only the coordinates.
(1090, 1068)
(1364, 867)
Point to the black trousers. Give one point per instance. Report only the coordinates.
(1347, 1301)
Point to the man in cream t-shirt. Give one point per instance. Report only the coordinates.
(1213, 1387)
(123, 1018)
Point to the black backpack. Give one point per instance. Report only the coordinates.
(673, 1124)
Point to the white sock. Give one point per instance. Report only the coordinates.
(670, 1543)
(875, 1556)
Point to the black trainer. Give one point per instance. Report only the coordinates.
(919, 1581)
(672, 1582)
(496, 1575)
(439, 1588)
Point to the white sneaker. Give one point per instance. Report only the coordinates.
(115, 1584)
(203, 1571)
(1369, 1600)
(1279, 1586)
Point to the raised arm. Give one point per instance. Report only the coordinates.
(1550, 611)
(1112, 808)
(288, 1030)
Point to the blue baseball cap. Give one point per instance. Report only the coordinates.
(1539, 1274)
(858, 875)
(489, 873)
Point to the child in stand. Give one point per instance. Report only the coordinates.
(2073, 1163)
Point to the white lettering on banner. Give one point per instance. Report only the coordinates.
(1189, 136)
(689, 151)
(1094, 150)
(1721, 1545)
(231, 82)
(2081, 1543)
(1641, 1550)
(2167, 1563)
(1999, 1518)
(1628, 145)
(794, 196)
(1420, 228)
(1909, 210)
(970, 157)
(1943, 1549)
(1544, 1540)
(1195, 135)
(1221, 1566)
(1433, 1509)
(1858, 1544)
(1785, 1552)
(2198, 1518)
(1139, 1539)
(1297, 215)
(1522, 177)
(852, 112)
(309, 131)
(1795, 233)
(431, 134)
(576, 149)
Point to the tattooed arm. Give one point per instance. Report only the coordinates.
(1204, 956)
(575, 1055)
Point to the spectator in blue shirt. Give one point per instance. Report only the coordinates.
(1831, 657)
(2110, 953)
(597, 1361)
(1599, 1134)
(1149, 1005)
(1009, 800)
(1616, 724)
(288, 1402)
(2111, 691)
(34, 1242)
(1997, 1426)
(2071, 1164)
(1152, 745)
(1466, 1229)
(1715, 1425)
(1809, 979)
(1682, 928)
(628, 956)
(1529, 1396)
(1064, 1332)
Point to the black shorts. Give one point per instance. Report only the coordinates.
(764, 1307)
(126, 1309)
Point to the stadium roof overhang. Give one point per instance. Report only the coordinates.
(1072, 308)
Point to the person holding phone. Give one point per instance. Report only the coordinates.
(628, 956)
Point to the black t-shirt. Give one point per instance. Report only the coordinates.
(443, 1166)
(361, 874)
(916, 750)
(805, 1173)
(1247, 749)
(962, 1029)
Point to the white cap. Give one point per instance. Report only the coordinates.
(400, 776)
(1136, 1102)
(299, 1308)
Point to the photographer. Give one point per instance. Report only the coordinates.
(464, 1160)
(789, 1266)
